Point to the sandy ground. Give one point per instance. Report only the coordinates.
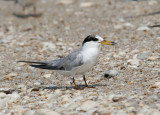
(60, 29)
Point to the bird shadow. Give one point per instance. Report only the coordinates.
(23, 16)
(81, 87)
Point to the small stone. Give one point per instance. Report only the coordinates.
(152, 2)
(35, 89)
(135, 51)
(134, 62)
(142, 56)
(154, 97)
(88, 105)
(158, 38)
(13, 97)
(2, 94)
(65, 98)
(154, 112)
(117, 99)
(30, 112)
(110, 73)
(58, 91)
(118, 27)
(152, 58)
(59, 43)
(143, 28)
(22, 87)
(46, 112)
(51, 97)
(128, 25)
(48, 46)
(120, 112)
(37, 83)
(65, 2)
(156, 85)
(122, 53)
(10, 76)
(86, 4)
(47, 76)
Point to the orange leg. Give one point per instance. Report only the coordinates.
(76, 87)
(84, 78)
(34, 10)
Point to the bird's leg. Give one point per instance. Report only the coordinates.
(84, 78)
(34, 11)
(76, 87)
(24, 11)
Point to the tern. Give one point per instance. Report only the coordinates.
(77, 62)
(27, 3)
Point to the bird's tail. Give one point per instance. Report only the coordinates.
(33, 62)
(41, 65)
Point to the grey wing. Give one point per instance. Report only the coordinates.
(73, 60)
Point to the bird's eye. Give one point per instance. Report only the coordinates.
(95, 39)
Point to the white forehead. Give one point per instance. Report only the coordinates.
(98, 37)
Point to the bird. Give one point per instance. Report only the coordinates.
(78, 61)
(27, 3)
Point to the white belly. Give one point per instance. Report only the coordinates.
(90, 59)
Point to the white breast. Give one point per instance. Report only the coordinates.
(90, 58)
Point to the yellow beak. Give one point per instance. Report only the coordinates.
(106, 42)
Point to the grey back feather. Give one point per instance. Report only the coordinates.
(69, 62)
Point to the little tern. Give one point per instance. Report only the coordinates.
(27, 3)
(77, 62)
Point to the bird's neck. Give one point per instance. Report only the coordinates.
(91, 45)
(90, 49)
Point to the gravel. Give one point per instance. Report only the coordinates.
(61, 29)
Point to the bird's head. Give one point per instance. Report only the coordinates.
(95, 40)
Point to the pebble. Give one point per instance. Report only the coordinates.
(46, 112)
(157, 38)
(128, 25)
(10, 76)
(134, 62)
(135, 51)
(152, 2)
(143, 28)
(156, 85)
(110, 73)
(22, 87)
(122, 53)
(51, 97)
(118, 27)
(120, 112)
(13, 97)
(2, 94)
(152, 58)
(66, 98)
(86, 4)
(47, 76)
(142, 56)
(48, 46)
(30, 112)
(65, 2)
(117, 99)
(37, 83)
(87, 105)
